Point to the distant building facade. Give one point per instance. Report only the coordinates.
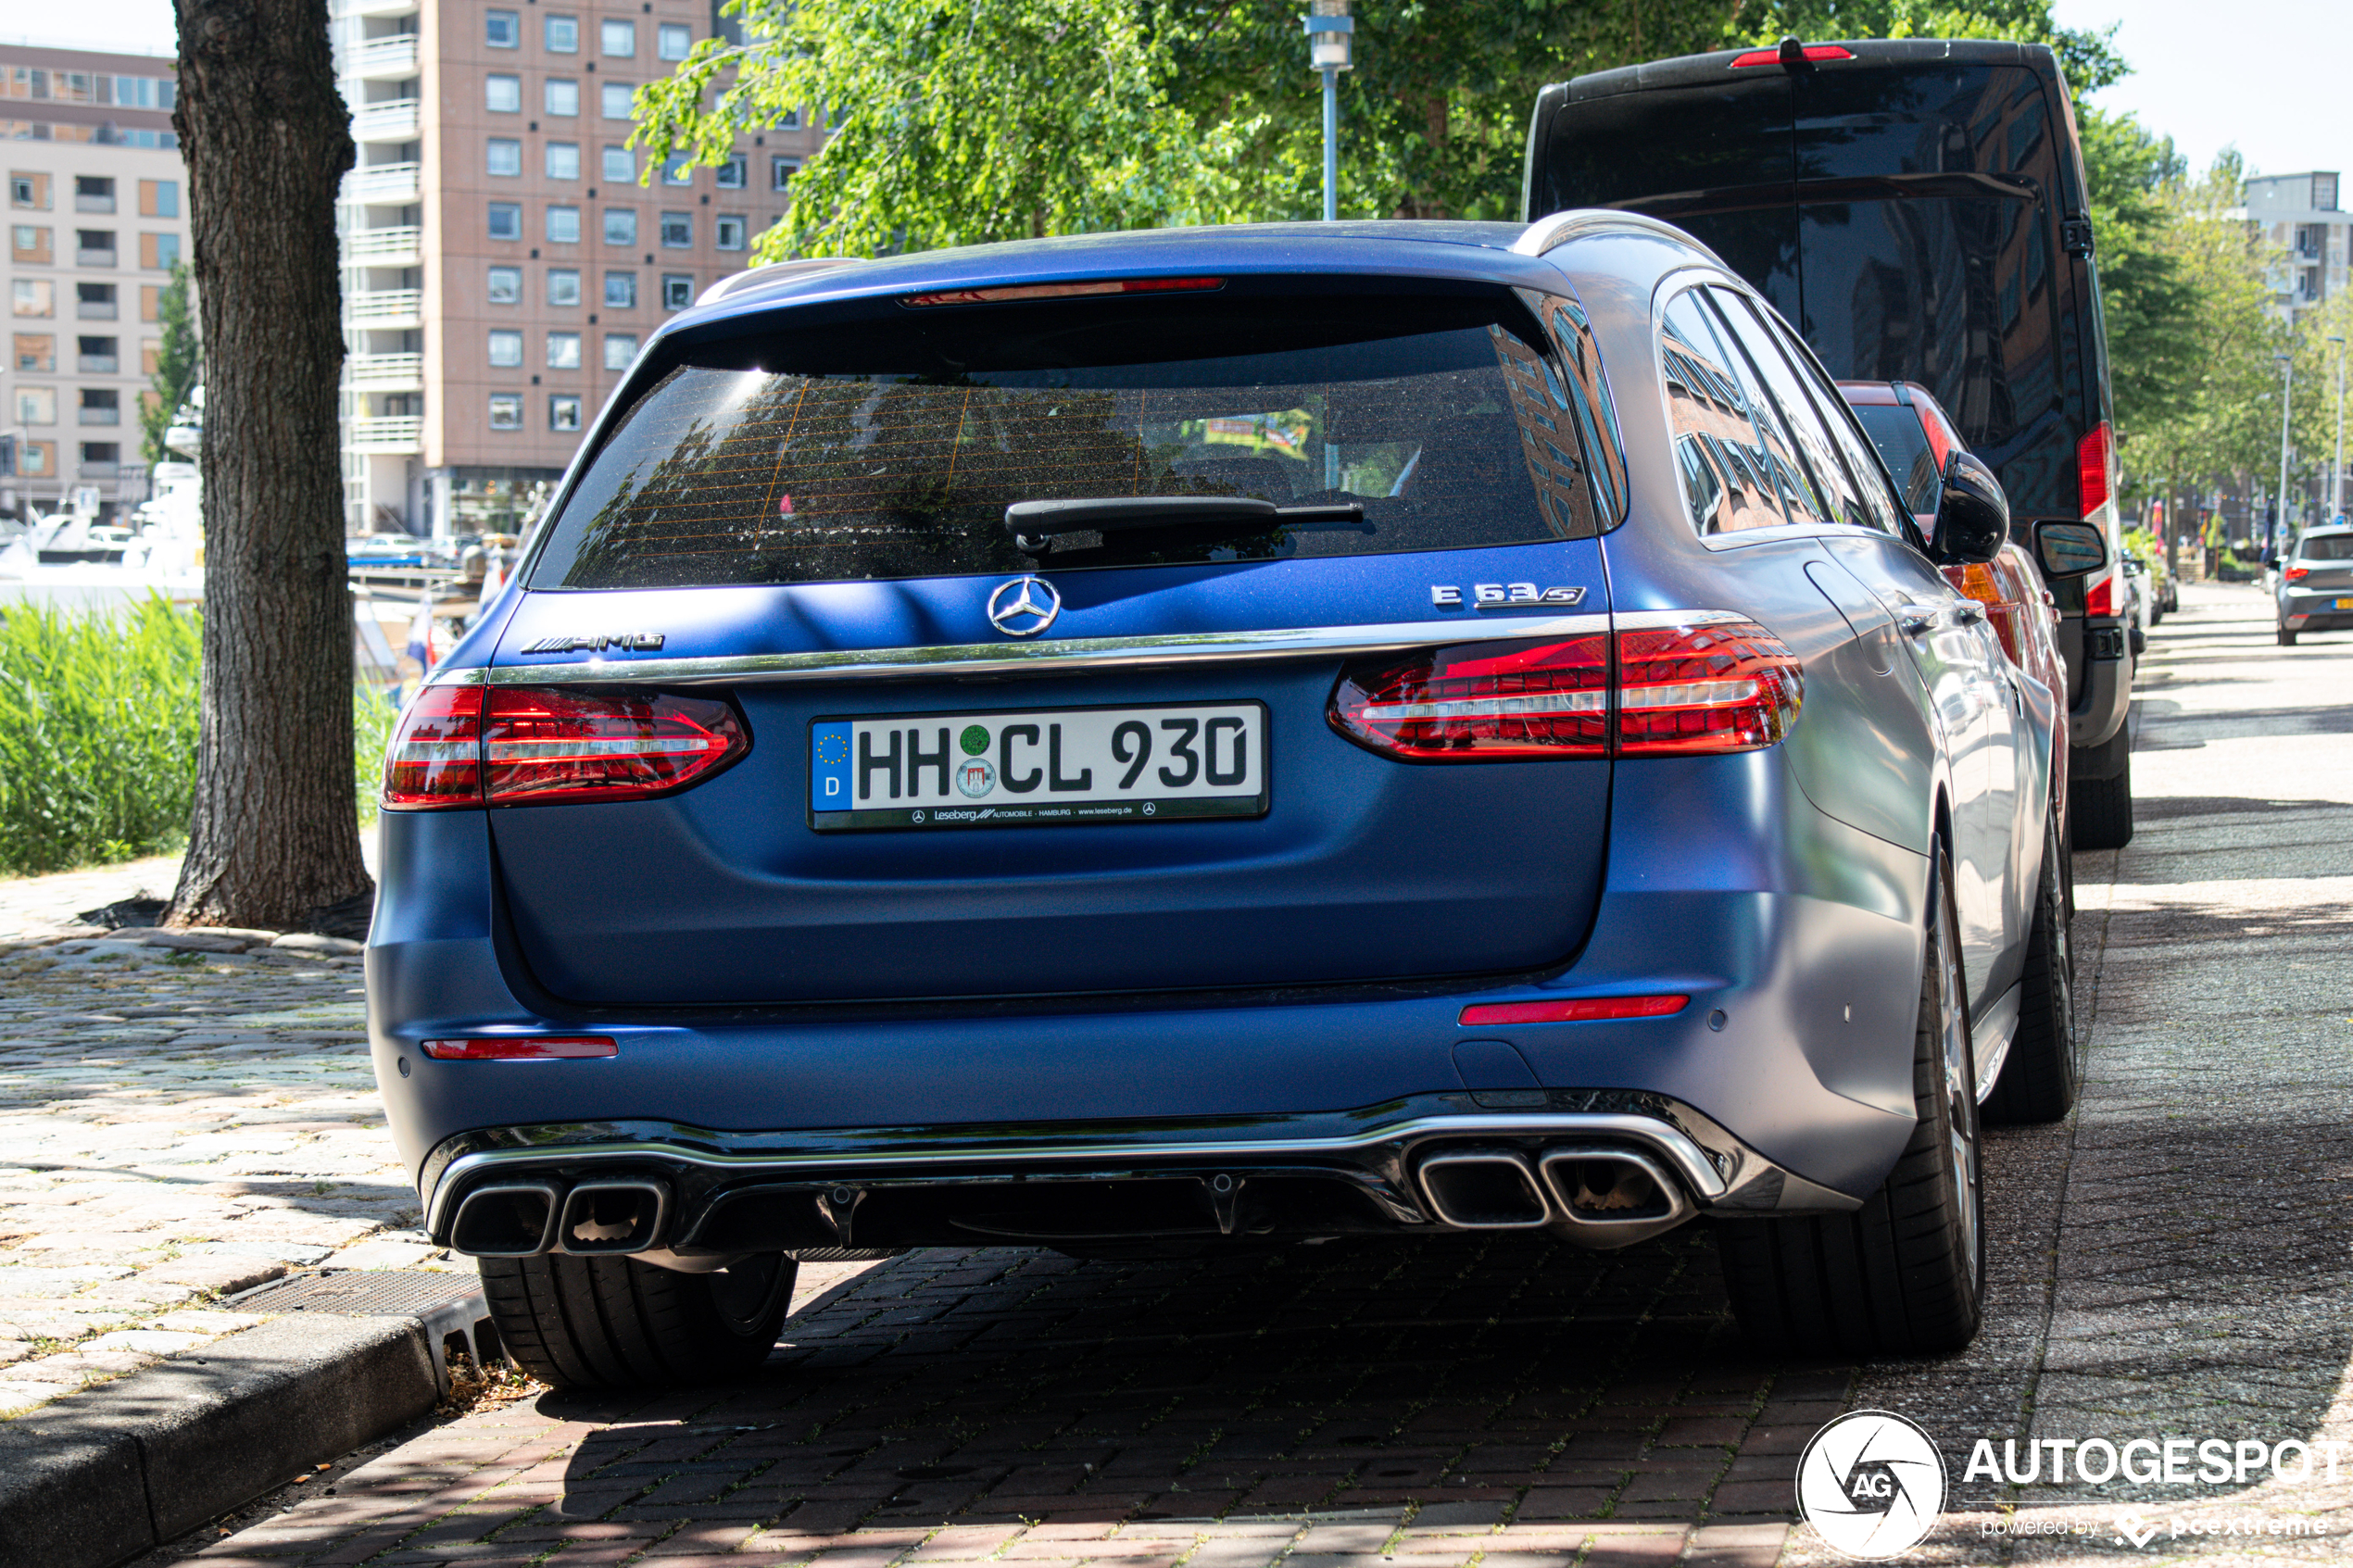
(96, 214)
(502, 264)
(2299, 213)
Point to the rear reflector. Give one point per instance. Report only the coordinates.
(1064, 291)
(1773, 57)
(2100, 598)
(1726, 686)
(528, 745)
(1481, 702)
(519, 1048)
(1578, 1009)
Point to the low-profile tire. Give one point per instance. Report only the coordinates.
(2099, 812)
(2045, 1067)
(613, 1322)
(1903, 1276)
(2287, 638)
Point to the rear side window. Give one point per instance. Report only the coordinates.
(1809, 424)
(1737, 465)
(889, 445)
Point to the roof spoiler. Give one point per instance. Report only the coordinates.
(774, 272)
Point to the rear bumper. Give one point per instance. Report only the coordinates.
(2315, 612)
(2107, 694)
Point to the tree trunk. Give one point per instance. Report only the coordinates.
(274, 838)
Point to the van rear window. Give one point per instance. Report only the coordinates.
(891, 447)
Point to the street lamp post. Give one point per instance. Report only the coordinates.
(1329, 50)
(2287, 402)
(2336, 470)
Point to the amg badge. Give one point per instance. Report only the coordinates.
(1503, 596)
(626, 642)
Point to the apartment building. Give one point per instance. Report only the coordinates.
(2299, 214)
(96, 214)
(502, 261)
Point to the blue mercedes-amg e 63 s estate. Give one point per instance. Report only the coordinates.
(1210, 738)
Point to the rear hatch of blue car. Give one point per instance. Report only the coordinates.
(1140, 635)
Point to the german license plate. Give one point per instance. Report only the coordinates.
(1060, 767)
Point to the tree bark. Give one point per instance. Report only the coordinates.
(273, 839)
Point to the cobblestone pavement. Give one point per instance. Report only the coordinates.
(2172, 1262)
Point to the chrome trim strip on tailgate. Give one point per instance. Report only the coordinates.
(1075, 653)
(1668, 1140)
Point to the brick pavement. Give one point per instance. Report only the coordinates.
(2174, 1262)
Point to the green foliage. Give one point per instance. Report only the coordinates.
(372, 717)
(2150, 302)
(177, 362)
(98, 734)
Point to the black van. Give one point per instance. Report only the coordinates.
(1916, 209)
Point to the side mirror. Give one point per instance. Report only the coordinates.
(2069, 549)
(1973, 515)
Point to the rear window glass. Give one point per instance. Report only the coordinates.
(1903, 447)
(890, 447)
(2328, 546)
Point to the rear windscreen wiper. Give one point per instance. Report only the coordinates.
(1225, 514)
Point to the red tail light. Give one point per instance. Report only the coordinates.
(544, 746)
(521, 1047)
(2096, 468)
(1727, 686)
(1714, 688)
(435, 756)
(520, 745)
(1482, 702)
(2100, 598)
(1578, 1010)
(2296, 573)
(1772, 56)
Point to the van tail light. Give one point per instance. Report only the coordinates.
(526, 746)
(1755, 57)
(543, 745)
(1727, 685)
(434, 760)
(2096, 468)
(1482, 702)
(1712, 687)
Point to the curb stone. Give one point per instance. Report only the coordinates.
(101, 1475)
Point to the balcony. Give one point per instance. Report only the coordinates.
(384, 247)
(380, 7)
(98, 415)
(388, 372)
(385, 435)
(97, 364)
(95, 310)
(392, 184)
(392, 120)
(94, 258)
(99, 469)
(382, 59)
(93, 204)
(384, 310)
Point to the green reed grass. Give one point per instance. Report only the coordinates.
(98, 735)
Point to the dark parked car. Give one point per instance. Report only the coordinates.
(2315, 586)
(1917, 208)
(1207, 739)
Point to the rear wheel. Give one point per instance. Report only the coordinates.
(613, 1322)
(2045, 1068)
(1905, 1273)
(2099, 812)
(2287, 638)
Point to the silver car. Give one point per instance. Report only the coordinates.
(2315, 586)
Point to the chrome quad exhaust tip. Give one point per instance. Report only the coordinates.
(1599, 1197)
(525, 1219)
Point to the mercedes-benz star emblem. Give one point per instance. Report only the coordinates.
(1024, 606)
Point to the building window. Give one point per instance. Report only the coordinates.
(727, 231)
(32, 297)
(678, 169)
(506, 349)
(613, 99)
(563, 285)
(620, 226)
(780, 173)
(674, 41)
(36, 405)
(621, 291)
(33, 458)
(503, 154)
(563, 413)
(677, 291)
(505, 410)
(618, 39)
(159, 198)
(791, 120)
(563, 351)
(621, 347)
(563, 97)
(501, 30)
(563, 35)
(100, 406)
(37, 352)
(94, 302)
(502, 95)
(97, 357)
(159, 252)
(93, 193)
(101, 454)
(563, 160)
(506, 286)
(563, 225)
(678, 230)
(506, 221)
(30, 243)
(621, 167)
(730, 174)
